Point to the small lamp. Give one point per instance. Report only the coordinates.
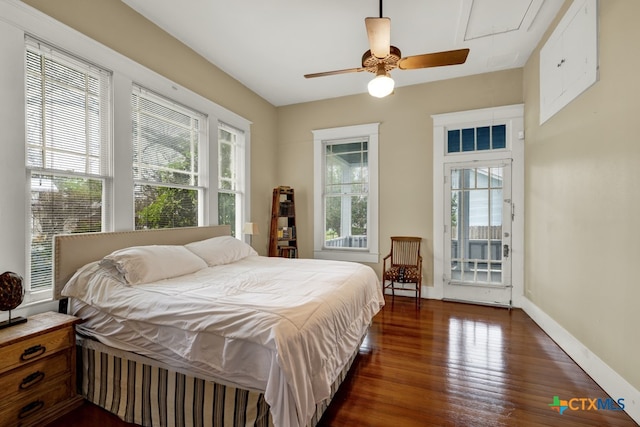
(381, 85)
(251, 228)
(11, 295)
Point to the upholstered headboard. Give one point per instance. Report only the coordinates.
(72, 251)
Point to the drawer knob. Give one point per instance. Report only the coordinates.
(31, 380)
(30, 408)
(32, 352)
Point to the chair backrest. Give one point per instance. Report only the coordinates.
(405, 250)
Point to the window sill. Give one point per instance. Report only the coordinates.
(37, 297)
(37, 302)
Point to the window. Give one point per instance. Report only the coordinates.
(69, 169)
(166, 140)
(346, 193)
(67, 145)
(231, 152)
(481, 138)
(346, 183)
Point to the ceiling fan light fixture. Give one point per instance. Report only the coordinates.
(382, 84)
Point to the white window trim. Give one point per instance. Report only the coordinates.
(369, 131)
(513, 117)
(18, 19)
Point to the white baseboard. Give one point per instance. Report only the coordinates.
(610, 381)
(428, 292)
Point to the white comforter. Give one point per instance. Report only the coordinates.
(285, 326)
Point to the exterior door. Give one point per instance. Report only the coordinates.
(478, 215)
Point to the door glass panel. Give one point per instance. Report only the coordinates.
(455, 179)
(476, 225)
(469, 178)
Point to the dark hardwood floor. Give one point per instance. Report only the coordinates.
(449, 364)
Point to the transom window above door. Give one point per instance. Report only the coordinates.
(480, 138)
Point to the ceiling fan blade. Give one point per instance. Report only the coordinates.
(332, 73)
(438, 59)
(379, 34)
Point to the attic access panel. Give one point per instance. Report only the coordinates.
(569, 58)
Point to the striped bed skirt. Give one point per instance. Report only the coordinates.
(142, 391)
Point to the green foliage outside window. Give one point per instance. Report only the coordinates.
(60, 205)
(166, 207)
(227, 210)
(334, 217)
(166, 158)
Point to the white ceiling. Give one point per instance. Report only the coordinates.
(268, 45)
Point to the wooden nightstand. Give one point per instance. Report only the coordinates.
(38, 370)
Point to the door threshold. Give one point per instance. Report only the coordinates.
(485, 303)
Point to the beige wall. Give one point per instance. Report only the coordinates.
(119, 27)
(582, 204)
(406, 147)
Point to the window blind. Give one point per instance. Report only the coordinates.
(166, 139)
(230, 186)
(67, 145)
(229, 147)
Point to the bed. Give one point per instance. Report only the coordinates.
(191, 327)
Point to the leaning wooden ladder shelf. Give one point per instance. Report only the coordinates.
(283, 240)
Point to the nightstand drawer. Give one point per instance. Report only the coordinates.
(36, 404)
(34, 348)
(15, 384)
(38, 370)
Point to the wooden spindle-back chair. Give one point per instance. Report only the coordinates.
(403, 266)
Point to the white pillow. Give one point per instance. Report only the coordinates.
(144, 264)
(221, 250)
(80, 279)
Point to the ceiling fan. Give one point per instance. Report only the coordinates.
(382, 58)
